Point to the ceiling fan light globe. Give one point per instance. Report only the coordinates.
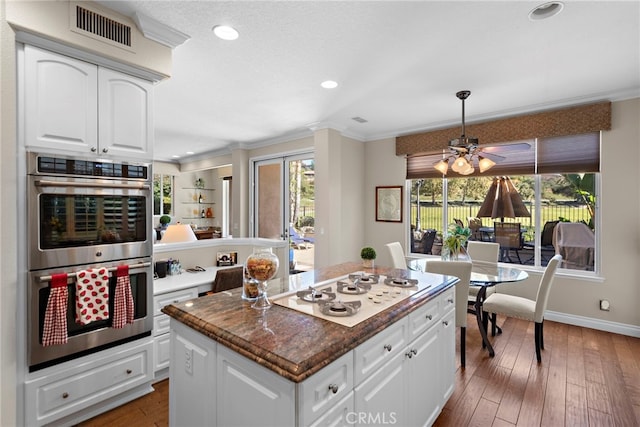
(442, 166)
(460, 164)
(485, 164)
(468, 171)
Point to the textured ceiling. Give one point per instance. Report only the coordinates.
(398, 65)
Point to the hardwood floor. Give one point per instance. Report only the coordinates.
(586, 378)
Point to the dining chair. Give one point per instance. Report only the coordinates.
(482, 252)
(509, 236)
(524, 308)
(228, 278)
(461, 270)
(397, 255)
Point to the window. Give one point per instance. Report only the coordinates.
(563, 191)
(162, 194)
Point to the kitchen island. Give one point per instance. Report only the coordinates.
(233, 365)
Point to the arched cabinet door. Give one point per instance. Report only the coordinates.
(60, 102)
(125, 115)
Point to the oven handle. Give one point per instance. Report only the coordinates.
(45, 183)
(72, 275)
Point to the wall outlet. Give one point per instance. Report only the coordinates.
(188, 360)
(604, 305)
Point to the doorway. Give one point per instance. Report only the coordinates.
(284, 205)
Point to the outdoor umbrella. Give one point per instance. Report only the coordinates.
(502, 201)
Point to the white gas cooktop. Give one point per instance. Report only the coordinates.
(351, 299)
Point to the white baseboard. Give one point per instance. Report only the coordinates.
(588, 322)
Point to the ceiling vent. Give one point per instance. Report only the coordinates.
(98, 25)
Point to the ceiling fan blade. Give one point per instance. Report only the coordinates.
(502, 148)
(491, 156)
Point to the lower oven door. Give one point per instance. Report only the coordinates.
(94, 336)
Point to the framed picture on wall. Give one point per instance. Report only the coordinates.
(389, 203)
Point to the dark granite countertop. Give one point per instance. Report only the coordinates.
(292, 344)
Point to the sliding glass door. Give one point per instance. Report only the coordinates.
(284, 205)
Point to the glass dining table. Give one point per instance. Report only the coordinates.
(484, 275)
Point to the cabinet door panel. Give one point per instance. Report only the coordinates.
(448, 354)
(425, 384)
(251, 395)
(60, 102)
(125, 114)
(381, 399)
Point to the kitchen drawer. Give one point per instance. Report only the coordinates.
(320, 392)
(55, 393)
(448, 300)
(424, 317)
(161, 324)
(338, 414)
(160, 301)
(373, 353)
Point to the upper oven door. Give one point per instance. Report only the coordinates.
(85, 220)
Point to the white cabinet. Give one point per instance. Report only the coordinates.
(249, 395)
(161, 336)
(401, 376)
(124, 107)
(75, 106)
(64, 391)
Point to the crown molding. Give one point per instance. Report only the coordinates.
(159, 32)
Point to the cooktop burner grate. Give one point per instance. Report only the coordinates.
(315, 295)
(340, 309)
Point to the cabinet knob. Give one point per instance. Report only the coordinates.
(333, 388)
(409, 354)
(445, 322)
(65, 395)
(450, 300)
(429, 317)
(105, 150)
(94, 149)
(129, 371)
(387, 347)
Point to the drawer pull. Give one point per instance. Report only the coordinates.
(333, 388)
(445, 323)
(450, 300)
(387, 347)
(65, 395)
(175, 301)
(429, 317)
(129, 371)
(411, 353)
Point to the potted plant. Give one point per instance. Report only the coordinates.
(454, 241)
(164, 221)
(368, 255)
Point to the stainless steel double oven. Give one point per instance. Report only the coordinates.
(82, 214)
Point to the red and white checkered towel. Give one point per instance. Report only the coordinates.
(92, 295)
(123, 299)
(55, 316)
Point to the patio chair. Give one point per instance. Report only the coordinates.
(509, 236)
(428, 237)
(474, 226)
(297, 240)
(547, 250)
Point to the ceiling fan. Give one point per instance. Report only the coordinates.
(465, 151)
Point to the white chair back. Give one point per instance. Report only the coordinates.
(545, 287)
(483, 251)
(461, 270)
(397, 255)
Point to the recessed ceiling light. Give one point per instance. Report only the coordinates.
(329, 84)
(546, 10)
(225, 32)
(175, 156)
(190, 152)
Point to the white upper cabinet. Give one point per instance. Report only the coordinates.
(60, 103)
(124, 114)
(75, 106)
